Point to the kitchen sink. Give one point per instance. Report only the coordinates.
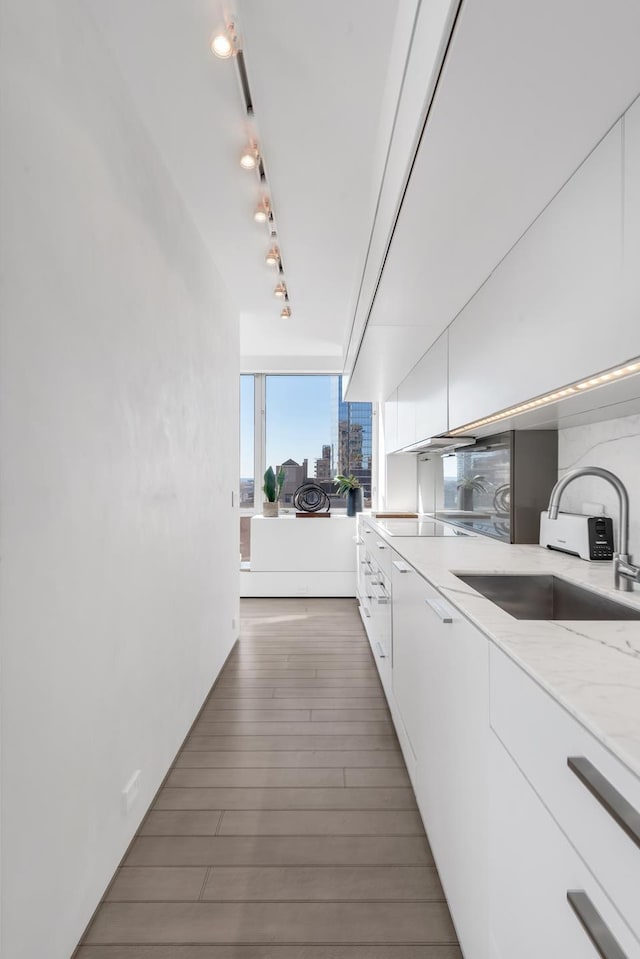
(546, 597)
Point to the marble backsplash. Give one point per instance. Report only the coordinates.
(613, 445)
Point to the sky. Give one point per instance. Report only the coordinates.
(299, 414)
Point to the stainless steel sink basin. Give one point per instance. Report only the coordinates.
(546, 597)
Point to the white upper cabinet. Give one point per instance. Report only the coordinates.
(391, 423)
(407, 403)
(632, 215)
(551, 312)
(430, 377)
(422, 396)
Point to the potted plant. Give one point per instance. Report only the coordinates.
(272, 488)
(467, 486)
(349, 487)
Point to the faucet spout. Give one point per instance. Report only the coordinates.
(625, 574)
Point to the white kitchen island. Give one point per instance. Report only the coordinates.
(292, 556)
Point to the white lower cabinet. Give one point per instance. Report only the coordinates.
(532, 868)
(441, 687)
(548, 744)
(539, 858)
(514, 831)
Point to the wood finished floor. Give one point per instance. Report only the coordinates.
(287, 827)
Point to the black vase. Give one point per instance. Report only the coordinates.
(352, 502)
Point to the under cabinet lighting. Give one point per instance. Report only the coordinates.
(273, 257)
(280, 291)
(600, 379)
(285, 313)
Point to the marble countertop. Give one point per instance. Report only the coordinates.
(591, 668)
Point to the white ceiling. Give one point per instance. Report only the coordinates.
(317, 74)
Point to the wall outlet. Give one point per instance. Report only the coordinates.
(301, 591)
(130, 792)
(233, 623)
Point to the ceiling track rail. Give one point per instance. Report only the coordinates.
(244, 83)
(428, 107)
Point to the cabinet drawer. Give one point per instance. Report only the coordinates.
(381, 552)
(532, 867)
(541, 736)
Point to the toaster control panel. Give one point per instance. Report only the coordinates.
(600, 537)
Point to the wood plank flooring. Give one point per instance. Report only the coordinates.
(287, 827)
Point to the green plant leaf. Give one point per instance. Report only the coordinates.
(345, 483)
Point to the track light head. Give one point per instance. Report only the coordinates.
(250, 156)
(273, 257)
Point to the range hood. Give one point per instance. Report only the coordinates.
(439, 444)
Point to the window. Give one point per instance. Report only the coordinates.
(307, 428)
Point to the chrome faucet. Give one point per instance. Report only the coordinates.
(624, 572)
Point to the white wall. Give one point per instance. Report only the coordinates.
(613, 445)
(118, 438)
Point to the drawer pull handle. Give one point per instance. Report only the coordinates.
(380, 651)
(364, 612)
(594, 925)
(442, 610)
(401, 567)
(379, 593)
(607, 795)
(380, 544)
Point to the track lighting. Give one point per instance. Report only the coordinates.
(226, 44)
(263, 211)
(249, 157)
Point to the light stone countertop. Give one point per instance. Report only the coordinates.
(591, 668)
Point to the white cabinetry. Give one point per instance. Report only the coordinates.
(432, 404)
(408, 394)
(374, 597)
(441, 687)
(532, 867)
(514, 827)
(541, 737)
(419, 407)
(551, 312)
(391, 423)
(301, 557)
(422, 396)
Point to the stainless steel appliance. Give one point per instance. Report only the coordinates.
(590, 537)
